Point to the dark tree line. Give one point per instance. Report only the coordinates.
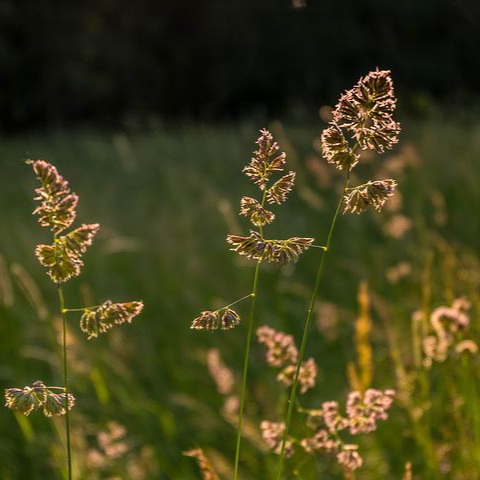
(103, 61)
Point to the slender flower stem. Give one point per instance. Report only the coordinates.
(65, 380)
(306, 331)
(245, 368)
(237, 301)
(82, 309)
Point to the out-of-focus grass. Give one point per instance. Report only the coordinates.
(165, 201)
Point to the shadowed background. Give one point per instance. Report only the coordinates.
(119, 63)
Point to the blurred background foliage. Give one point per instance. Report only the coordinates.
(150, 110)
(119, 62)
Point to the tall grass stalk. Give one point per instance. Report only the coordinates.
(248, 343)
(65, 381)
(251, 317)
(307, 327)
(361, 120)
(63, 260)
(267, 161)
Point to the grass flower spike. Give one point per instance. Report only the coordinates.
(267, 162)
(258, 215)
(366, 111)
(361, 120)
(106, 316)
(57, 209)
(336, 149)
(277, 251)
(63, 260)
(373, 193)
(27, 399)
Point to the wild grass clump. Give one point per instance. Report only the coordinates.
(361, 121)
(56, 211)
(405, 348)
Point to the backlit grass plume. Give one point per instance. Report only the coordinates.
(266, 170)
(27, 399)
(62, 258)
(266, 162)
(361, 120)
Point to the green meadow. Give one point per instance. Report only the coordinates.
(166, 201)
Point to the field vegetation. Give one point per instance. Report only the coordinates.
(166, 201)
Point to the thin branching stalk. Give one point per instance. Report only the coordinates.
(65, 380)
(306, 331)
(245, 368)
(251, 316)
(63, 260)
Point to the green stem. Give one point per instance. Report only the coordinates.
(65, 379)
(83, 309)
(306, 330)
(245, 368)
(236, 301)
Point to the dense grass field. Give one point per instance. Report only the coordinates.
(166, 201)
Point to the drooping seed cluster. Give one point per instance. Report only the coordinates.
(363, 119)
(225, 319)
(27, 399)
(373, 193)
(448, 325)
(106, 316)
(278, 251)
(282, 353)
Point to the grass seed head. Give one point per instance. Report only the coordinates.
(279, 191)
(266, 160)
(373, 193)
(366, 111)
(336, 149)
(207, 320)
(108, 315)
(259, 216)
(57, 208)
(63, 258)
(27, 399)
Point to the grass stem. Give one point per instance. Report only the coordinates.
(245, 368)
(306, 331)
(65, 380)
